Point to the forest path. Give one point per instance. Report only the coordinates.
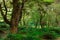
(58, 38)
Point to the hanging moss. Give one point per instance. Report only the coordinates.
(50, 1)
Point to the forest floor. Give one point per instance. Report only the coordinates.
(58, 38)
(36, 34)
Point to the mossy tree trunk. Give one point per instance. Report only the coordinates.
(16, 15)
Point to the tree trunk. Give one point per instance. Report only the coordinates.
(16, 15)
(13, 29)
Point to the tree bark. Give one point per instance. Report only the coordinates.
(16, 15)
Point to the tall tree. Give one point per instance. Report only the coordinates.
(15, 16)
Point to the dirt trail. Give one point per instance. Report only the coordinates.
(58, 38)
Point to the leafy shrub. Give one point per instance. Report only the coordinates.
(4, 26)
(20, 37)
(33, 34)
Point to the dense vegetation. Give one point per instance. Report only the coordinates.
(30, 20)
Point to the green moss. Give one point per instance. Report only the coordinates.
(48, 1)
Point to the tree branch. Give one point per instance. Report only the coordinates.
(5, 7)
(21, 8)
(4, 16)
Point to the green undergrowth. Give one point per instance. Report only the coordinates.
(35, 34)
